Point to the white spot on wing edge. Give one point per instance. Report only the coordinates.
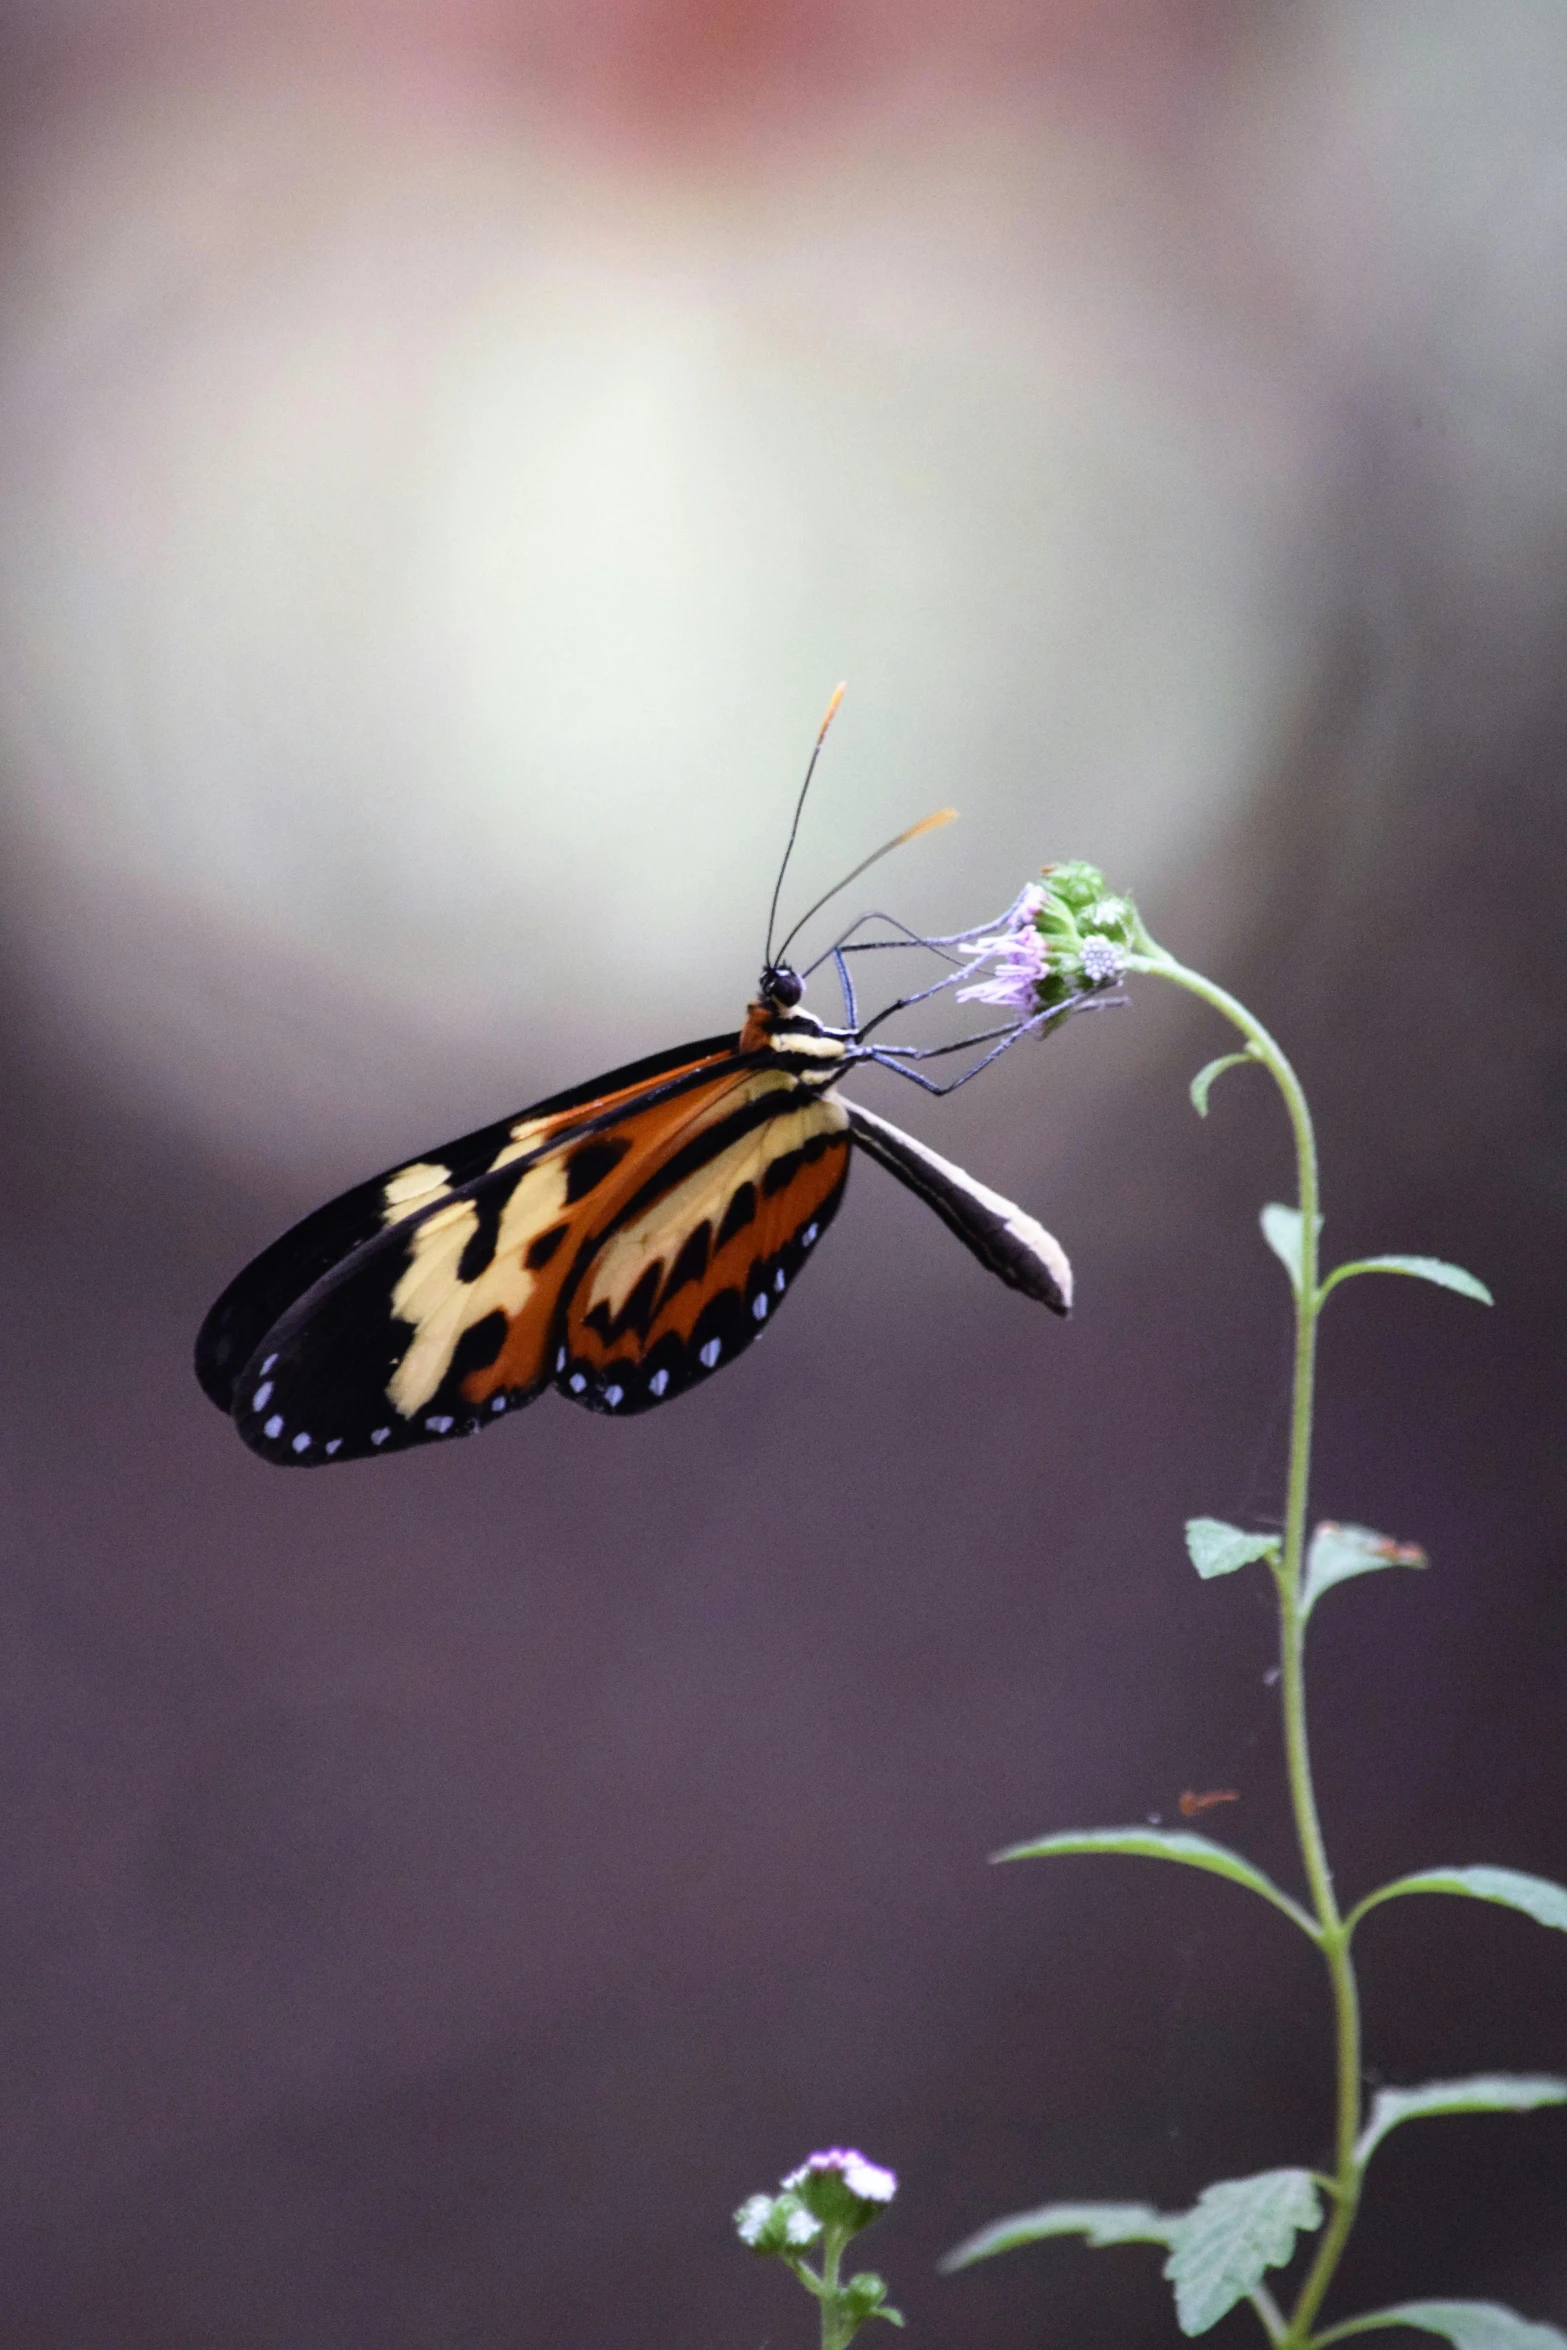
(439, 1422)
(780, 1280)
(658, 1382)
(809, 1234)
(267, 1365)
(274, 1426)
(759, 1306)
(303, 1442)
(497, 1403)
(262, 1397)
(576, 1383)
(710, 1353)
(379, 1435)
(613, 1395)
(336, 1445)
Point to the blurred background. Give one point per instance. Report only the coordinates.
(448, 453)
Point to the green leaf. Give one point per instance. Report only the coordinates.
(1100, 2223)
(1197, 1852)
(1468, 2325)
(1232, 2233)
(1336, 1553)
(1202, 1083)
(1281, 1229)
(1419, 1269)
(1484, 2093)
(1537, 1897)
(1217, 1549)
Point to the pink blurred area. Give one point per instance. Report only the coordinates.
(447, 456)
(660, 76)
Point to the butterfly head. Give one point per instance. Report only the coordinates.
(780, 988)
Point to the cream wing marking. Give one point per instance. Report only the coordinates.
(1006, 1241)
(440, 1306)
(413, 1187)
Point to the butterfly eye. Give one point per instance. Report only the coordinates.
(783, 986)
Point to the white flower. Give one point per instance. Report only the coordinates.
(1102, 961)
(868, 2180)
(800, 2228)
(752, 2216)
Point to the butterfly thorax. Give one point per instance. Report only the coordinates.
(811, 1052)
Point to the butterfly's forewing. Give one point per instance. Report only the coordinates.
(703, 1250)
(324, 1241)
(457, 1311)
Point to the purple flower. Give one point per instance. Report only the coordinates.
(1020, 954)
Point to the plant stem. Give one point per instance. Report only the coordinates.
(836, 2334)
(1289, 1576)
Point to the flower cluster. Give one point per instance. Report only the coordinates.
(1066, 936)
(831, 2197)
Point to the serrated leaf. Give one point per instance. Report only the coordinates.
(1233, 2232)
(1196, 1852)
(1419, 1269)
(1217, 1549)
(1099, 2223)
(1483, 2093)
(1468, 2325)
(1281, 1229)
(1203, 1082)
(1537, 1897)
(1336, 1553)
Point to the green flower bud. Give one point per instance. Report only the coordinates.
(1088, 932)
(866, 2296)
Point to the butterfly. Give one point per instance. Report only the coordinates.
(620, 1242)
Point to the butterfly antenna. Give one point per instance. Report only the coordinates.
(925, 824)
(799, 806)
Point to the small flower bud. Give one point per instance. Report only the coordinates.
(865, 2296)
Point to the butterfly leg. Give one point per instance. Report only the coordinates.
(850, 1013)
(895, 1056)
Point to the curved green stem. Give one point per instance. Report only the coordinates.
(1288, 1575)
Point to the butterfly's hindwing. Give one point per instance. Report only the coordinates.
(701, 1258)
